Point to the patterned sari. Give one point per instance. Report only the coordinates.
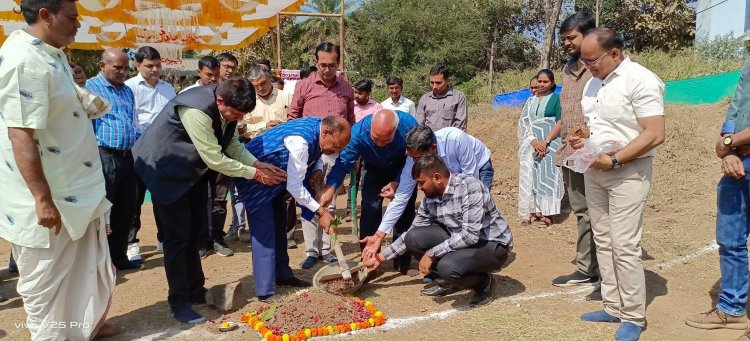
(540, 182)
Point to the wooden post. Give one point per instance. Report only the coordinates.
(341, 36)
(278, 43)
(492, 63)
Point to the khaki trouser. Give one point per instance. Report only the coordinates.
(318, 243)
(585, 247)
(616, 199)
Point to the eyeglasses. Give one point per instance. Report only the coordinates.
(596, 61)
(328, 66)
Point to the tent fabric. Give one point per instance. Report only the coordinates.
(702, 90)
(165, 24)
(709, 89)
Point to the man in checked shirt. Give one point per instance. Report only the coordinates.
(458, 233)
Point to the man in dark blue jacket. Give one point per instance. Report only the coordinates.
(380, 139)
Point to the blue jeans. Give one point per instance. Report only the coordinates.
(732, 230)
(486, 173)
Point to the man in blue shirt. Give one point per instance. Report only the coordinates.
(733, 191)
(380, 139)
(116, 133)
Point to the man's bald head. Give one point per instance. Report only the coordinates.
(114, 66)
(383, 127)
(335, 134)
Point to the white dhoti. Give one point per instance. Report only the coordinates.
(66, 288)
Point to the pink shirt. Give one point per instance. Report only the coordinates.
(361, 111)
(313, 99)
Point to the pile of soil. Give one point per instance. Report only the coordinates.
(338, 285)
(313, 308)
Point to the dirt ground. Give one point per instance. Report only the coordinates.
(681, 261)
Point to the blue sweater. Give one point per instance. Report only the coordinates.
(391, 156)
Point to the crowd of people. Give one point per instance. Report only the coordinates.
(81, 154)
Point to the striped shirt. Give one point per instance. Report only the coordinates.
(117, 129)
(575, 77)
(467, 210)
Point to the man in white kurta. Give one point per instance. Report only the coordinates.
(53, 188)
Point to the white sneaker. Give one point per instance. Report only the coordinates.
(134, 252)
(159, 247)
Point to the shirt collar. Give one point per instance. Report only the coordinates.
(274, 93)
(575, 68)
(106, 83)
(319, 80)
(448, 93)
(449, 189)
(53, 51)
(139, 79)
(617, 71)
(400, 100)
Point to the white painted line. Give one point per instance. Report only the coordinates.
(396, 323)
(569, 292)
(710, 248)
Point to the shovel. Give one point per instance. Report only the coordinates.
(345, 272)
(332, 277)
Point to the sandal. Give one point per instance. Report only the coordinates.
(544, 222)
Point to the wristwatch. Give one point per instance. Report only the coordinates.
(319, 211)
(728, 140)
(615, 163)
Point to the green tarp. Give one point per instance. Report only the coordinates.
(702, 90)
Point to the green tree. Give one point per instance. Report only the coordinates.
(666, 25)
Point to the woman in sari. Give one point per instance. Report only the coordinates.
(540, 181)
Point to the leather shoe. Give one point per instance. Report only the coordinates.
(485, 295)
(294, 282)
(439, 290)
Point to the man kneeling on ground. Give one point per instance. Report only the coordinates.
(458, 233)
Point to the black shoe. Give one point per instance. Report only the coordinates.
(294, 282)
(439, 290)
(485, 295)
(595, 295)
(3, 298)
(575, 279)
(268, 299)
(127, 265)
(203, 253)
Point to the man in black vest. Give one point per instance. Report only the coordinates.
(192, 139)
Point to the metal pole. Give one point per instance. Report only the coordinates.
(278, 42)
(305, 14)
(341, 35)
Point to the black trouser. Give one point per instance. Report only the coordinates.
(120, 182)
(181, 224)
(214, 233)
(464, 268)
(290, 207)
(141, 197)
(373, 180)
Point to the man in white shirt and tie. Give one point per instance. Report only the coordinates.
(461, 152)
(151, 95)
(397, 101)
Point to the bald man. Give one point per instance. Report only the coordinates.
(380, 139)
(116, 133)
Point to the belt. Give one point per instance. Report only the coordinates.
(115, 152)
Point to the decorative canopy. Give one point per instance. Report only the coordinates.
(170, 26)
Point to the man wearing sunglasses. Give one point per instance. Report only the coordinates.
(623, 103)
